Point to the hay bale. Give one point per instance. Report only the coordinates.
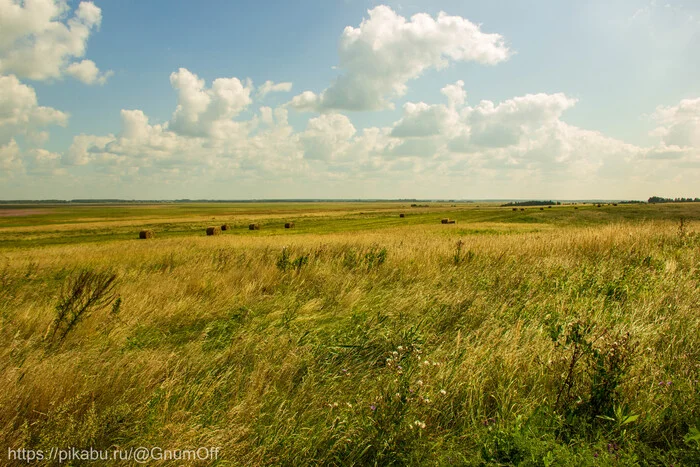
(549, 207)
(575, 207)
(598, 205)
(144, 234)
(614, 204)
(289, 225)
(254, 227)
(402, 215)
(452, 221)
(445, 221)
(522, 209)
(515, 209)
(541, 209)
(225, 227)
(213, 231)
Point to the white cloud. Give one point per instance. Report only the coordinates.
(83, 147)
(679, 125)
(144, 150)
(42, 162)
(327, 136)
(499, 141)
(521, 141)
(87, 72)
(9, 158)
(36, 42)
(504, 124)
(269, 86)
(421, 119)
(21, 115)
(386, 51)
(208, 112)
(455, 93)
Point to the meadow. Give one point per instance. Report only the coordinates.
(563, 336)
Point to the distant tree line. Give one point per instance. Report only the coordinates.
(659, 199)
(532, 203)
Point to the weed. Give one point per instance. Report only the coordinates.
(594, 363)
(82, 294)
(285, 262)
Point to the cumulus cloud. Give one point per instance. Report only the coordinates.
(327, 136)
(386, 51)
(87, 72)
(522, 135)
(678, 133)
(20, 113)
(679, 125)
(37, 43)
(455, 93)
(269, 86)
(143, 149)
(504, 124)
(421, 119)
(208, 112)
(9, 158)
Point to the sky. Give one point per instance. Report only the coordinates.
(352, 99)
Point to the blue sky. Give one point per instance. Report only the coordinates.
(563, 99)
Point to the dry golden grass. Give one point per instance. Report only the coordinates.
(216, 344)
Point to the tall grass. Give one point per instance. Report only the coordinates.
(406, 346)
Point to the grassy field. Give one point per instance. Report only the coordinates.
(547, 337)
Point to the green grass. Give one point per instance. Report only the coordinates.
(55, 225)
(359, 338)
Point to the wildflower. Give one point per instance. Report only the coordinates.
(426, 363)
(398, 395)
(419, 424)
(668, 383)
(395, 353)
(426, 400)
(373, 407)
(344, 370)
(443, 392)
(349, 404)
(400, 347)
(419, 382)
(335, 404)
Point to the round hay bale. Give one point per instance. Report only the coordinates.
(225, 227)
(254, 227)
(289, 225)
(575, 207)
(402, 215)
(145, 234)
(549, 207)
(445, 221)
(541, 209)
(515, 209)
(522, 209)
(213, 231)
